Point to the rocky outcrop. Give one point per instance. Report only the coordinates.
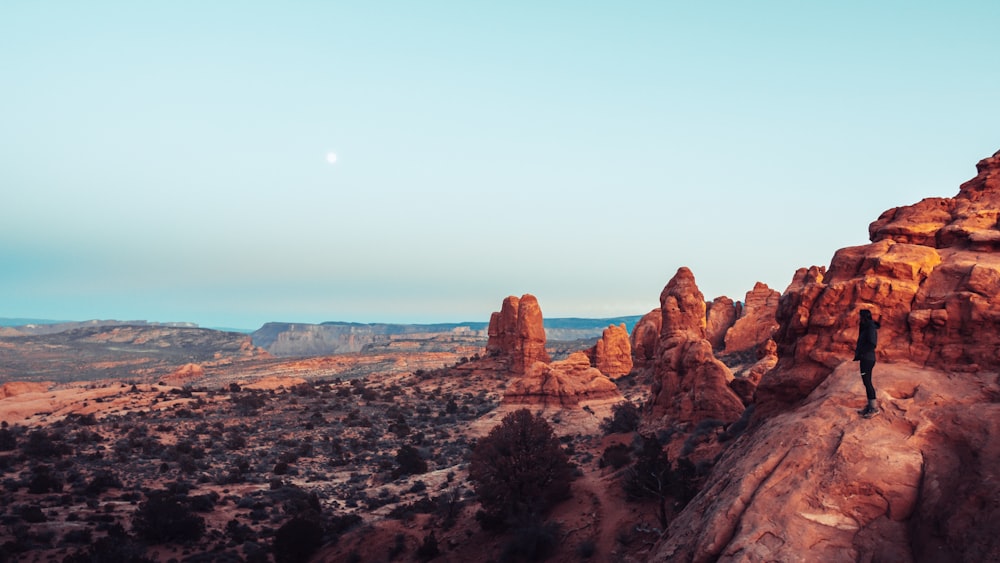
(930, 275)
(517, 333)
(918, 483)
(612, 354)
(745, 385)
(645, 335)
(502, 332)
(756, 323)
(186, 373)
(564, 383)
(690, 384)
(14, 388)
(722, 314)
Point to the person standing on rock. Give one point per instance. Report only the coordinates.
(864, 352)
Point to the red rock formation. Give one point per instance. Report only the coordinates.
(13, 388)
(565, 383)
(530, 334)
(819, 484)
(645, 335)
(930, 275)
(757, 323)
(745, 386)
(690, 384)
(722, 313)
(612, 354)
(517, 332)
(187, 371)
(502, 331)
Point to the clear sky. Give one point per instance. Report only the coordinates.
(167, 160)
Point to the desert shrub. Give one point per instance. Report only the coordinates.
(586, 549)
(616, 456)
(340, 524)
(235, 440)
(297, 539)
(8, 441)
(32, 514)
(428, 548)
(240, 533)
(409, 462)
(737, 428)
(43, 480)
(703, 432)
(534, 542)
(654, 477)
(625, 417)
(102, 480)
(82, 536)
(114, 548)
(42, 445)
(398, 546)
(163, 518)
(247, 403)
(519, 469)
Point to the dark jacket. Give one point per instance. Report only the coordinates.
(867, 340)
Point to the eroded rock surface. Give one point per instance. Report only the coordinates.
(517, 333)
(612, 354)
(930, 276)
(690, 384)
(757, 323)
(818, 483)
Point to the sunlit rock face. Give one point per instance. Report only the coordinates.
(757, 322)
(612, 354)
(565, 383)
(810, 479)
(645, 335)
(516, 332)
(721, 313)
(930, 276)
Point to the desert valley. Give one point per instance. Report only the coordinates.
(703, 430)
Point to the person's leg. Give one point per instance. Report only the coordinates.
(866, 377)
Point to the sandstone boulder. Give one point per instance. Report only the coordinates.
(612, 354)
(564, 383)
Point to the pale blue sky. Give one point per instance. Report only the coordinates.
(166, 160)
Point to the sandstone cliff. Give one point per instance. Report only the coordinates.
(812, 481)
(930, 275)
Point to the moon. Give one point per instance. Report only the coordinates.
(331, 157)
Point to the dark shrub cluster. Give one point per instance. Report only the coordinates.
(167, 517)
(519, 469)
(625, 417)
